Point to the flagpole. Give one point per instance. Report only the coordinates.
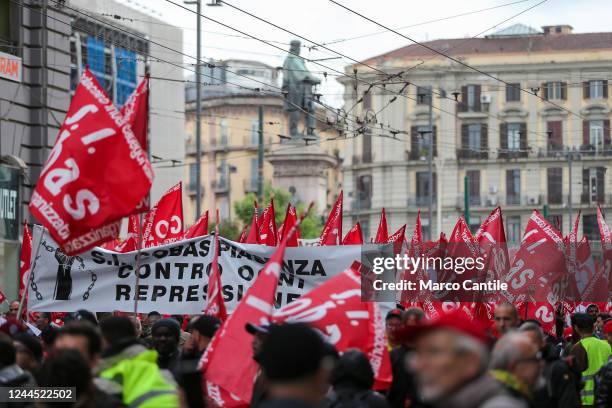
(136, 270)
(25, 290)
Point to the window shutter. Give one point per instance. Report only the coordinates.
(523, 136)
(503, 139)
(414, 142)
(477, 97)
(563, 90)
(545, 90)
(435, 140)
(606, 132)
(585, 185)
(585, 132)
(586, 90)
(465, 137)
(509, 182)
(600, 185)
(605, 89)
(484, 141)
(464, 99)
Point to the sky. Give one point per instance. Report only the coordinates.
(323, 21)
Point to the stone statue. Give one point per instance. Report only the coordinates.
(297, 86)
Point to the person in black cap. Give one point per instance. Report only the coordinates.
(259, 333)
(165, 335)
(82, 314)
(296, 366)
(29, 351)
(392, 322)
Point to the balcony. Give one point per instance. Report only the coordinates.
(466, 153)
(220, 186)
(596, 151)
(420, 201)
(361, 204)
(593, 199)
(420, 154)
(512, 154)
(250, 185)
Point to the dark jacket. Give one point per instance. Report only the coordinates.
(403, 391)
(15, 376)
(603, 386)
(352, 380)
(286, 403)
(562, 388)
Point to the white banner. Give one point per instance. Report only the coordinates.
(172, 278)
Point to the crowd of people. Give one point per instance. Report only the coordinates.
(123, 360)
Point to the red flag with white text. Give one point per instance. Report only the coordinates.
(290, 221)
(267, 229)
(332, 231)
(96, 173)
(163, 224)
(336, 310)
(135, 110)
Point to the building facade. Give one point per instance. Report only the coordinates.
(230, 136)
(494, 142)
(43, 47)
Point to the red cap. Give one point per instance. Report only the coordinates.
(607, 327)
(455, 320)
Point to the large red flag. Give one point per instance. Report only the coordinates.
(164, 223)
(491, 239)
(215, 305)
(336, 310)
(199, 229)
(228, 361)
(136, 112)
(290, 221)
(354, 236)
(24, 259)
(382, 234)
(253, 236)
(267, 229)
(96, 173)
(332, 231)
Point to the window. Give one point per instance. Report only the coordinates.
(192, 177)
(96, 59)
(596, 89)
(254, 132)
(422, 187)
(596, 134)
(224, 133)
(223, 174)
(471, 97)
(514, 136)
(126, 74)
(252, 180)
(5, 21)
(513, 228)
(366, 146)
(555, 136)
(593, 185)
(554, 90)
(474, 136)
(423, 95)
(224, 208)
(365, 227)
(555, 185)
(590, 228)
(513, 92)
(513, 187)
(364, 192)
(473, 177)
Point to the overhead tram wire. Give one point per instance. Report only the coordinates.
(458, 61)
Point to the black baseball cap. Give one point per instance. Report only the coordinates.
(206, 325)
(291, 351)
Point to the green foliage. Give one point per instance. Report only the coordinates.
(311, 226)
(227, 229)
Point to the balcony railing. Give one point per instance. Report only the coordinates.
(420, 201)
(589, 198)
(220, 186)
(512, 154)
(361, 204)
(467, 153)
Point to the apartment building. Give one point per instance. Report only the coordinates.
(521, 119)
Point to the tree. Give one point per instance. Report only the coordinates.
(227, 229)
(311, 226)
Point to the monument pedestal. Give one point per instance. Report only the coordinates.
(301, 169)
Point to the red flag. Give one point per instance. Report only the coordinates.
(243, 235)
(267, 228)
(253, 236)
(199, 229)
(2, 297)
(96, 173)
(215, 305)
(354, 236)
(332, 231)
(398, 236)
(382, 234)
(336, 310)
(491, 239)
(228, 360)
(164, 223)
(24, 260)
(127, 245)
(136, 112)
(290, 221)
(133, 229)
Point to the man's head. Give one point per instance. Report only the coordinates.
(166, 334)
(413, 316)
(393, 321)
(13, 309)
(535, 334)
(116, 331)
(66, 368)
(8, 353)
(259, 335)
(506, 317)
(202, 330)
(43, 321)
(83, 337)
(29, 351)
(593, 310)
(295, 363)
(137, 325)
(153, 317)
(583, 324)
(449, 352)
(516, 354)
